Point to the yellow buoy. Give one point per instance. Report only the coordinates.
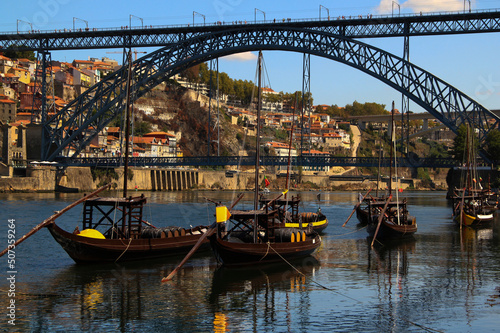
(91, 233)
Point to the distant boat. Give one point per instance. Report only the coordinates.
(470, 203)
(395, 222)
(384, 218)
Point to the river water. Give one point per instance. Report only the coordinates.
(443, 280)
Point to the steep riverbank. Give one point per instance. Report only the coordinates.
(50, 178)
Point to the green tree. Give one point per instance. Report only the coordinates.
(460, 143)
(141, 128)
(493, 145)
(10, 53)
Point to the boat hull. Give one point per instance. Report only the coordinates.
(91, 250)
(363, 216)
(390, 230)
(474, 220)
(231, 253)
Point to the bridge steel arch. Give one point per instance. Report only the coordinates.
(76, 125)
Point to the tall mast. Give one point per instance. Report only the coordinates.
(127, 124)
(392, 152)
(257, 139)
(290, 149)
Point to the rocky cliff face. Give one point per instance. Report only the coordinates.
(181, 110)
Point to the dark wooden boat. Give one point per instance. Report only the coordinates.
(113, 228)
(241, 245)
(470, 203)
(260, 236)
(125, 239)
(387, 219)
(395, 223)
(65, 189)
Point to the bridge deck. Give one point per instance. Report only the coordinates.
(362, 26)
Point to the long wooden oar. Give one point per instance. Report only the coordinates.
(380, 218)
(210, 231)
(356, 207)
(207, 233)
(53, 217)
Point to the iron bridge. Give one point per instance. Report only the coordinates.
(214, 161)
(72, 129)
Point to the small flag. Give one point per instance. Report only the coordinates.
(266, 181)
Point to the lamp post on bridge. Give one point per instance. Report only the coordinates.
(196, 13)
(469, 5)
(130, 21)
(399, 7)
(255, 14)
(86, 23)
(327, 11)
(17, 25)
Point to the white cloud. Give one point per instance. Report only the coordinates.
(424, 6)
(244, 56)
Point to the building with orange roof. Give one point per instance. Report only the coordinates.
(8, 92)
(82, 64)
(8, 109)
(12, 147)
(23, 74)
(332, 140)
(281, 149)
(5, 64)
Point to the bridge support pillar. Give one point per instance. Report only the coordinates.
(158, 180)
(169, 180)
(185, 180)
(153, 180)
(174, 181)
(425, 126)
(179, 182)
(164, 180)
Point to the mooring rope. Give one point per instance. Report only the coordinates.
(314, 281)
(129, 242)
(428, 329)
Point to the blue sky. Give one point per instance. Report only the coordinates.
(468, 62)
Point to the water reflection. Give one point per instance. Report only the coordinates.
(388, 265)
(445, 278)
(262, 293)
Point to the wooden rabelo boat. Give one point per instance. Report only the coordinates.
(470, 203)
(395, 221)
(256, 236)
(127, 238)
(472, 208)
(384, 218)
(260, 235)
(113, 229)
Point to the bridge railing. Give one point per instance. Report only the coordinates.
(213, 161)
(239, 22)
